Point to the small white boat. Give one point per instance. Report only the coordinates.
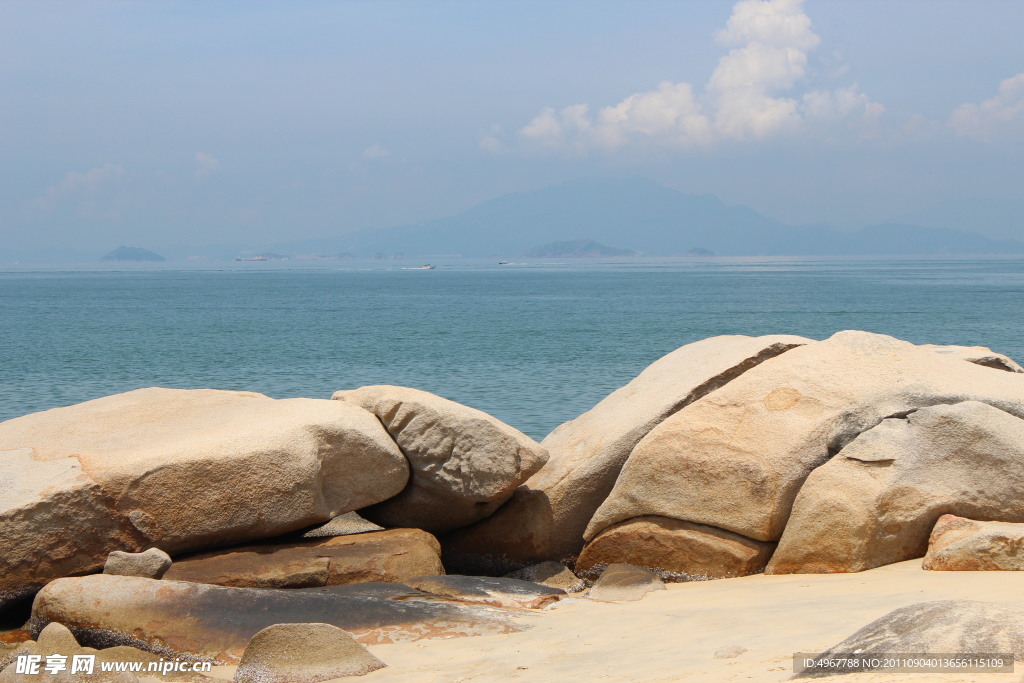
(426, 267)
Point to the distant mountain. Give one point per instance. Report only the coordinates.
(574, 249)
(633, 213)
(132, 254)
(653, 220)
(991, 216)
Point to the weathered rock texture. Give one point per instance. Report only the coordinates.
(736, 458)
(181, 470)
(625, 582)
(151, 564)
(677, 550)
(175, 618)
(979, 355)
(550, 573)
(57, 639)
(343, 525)
(546, 518)
(877, 501)
(959, 544)
(390, 556)
(284, 653)
(489, 590)
(943, 626)
(464, 462)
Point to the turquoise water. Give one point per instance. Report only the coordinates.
(532, 344)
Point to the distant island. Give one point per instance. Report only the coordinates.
(640, 217)
(132, 254)
(265, 256)
(574, 249)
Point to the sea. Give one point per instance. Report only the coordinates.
(534, 344)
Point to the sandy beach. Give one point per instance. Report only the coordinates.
(673, 635)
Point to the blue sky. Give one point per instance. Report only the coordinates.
(157, 123)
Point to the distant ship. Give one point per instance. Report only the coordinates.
(426, 267)
(252, 258)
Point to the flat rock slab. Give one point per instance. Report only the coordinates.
(625, 582)
(389, 556)
(960, 544)
(942, 626)
(181, 470)
(175, 618)
(377, 589)
(464, 463)
(489, 590)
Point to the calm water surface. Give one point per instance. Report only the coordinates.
(533, 344)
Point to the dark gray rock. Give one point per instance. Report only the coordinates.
(489, 590)
(942, 626)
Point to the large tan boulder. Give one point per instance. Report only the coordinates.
(679, 550)
(464, 463)
(547, 517)
(285, 653)
(877, 501)
(736, 458)
(181, 470)
(391, 556)
(176, 618)
(961, 544)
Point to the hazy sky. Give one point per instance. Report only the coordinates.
(156, 123)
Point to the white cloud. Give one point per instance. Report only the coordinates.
(208, 165)
(747, 97)
(375, 153)
(77, 186)
(780, 23)
(1000, 114)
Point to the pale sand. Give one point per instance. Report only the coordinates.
(672, 635)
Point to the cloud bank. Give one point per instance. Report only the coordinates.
(994, 117)
(208, 165)
(76, 186)
(752, 95)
